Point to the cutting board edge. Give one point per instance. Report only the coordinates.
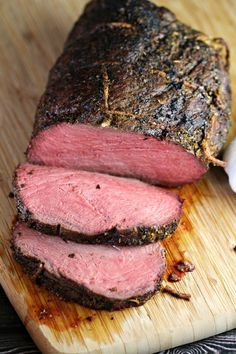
(46, 346)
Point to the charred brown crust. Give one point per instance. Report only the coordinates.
(68, 290)
(133, 66)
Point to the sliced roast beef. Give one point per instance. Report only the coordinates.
(100, 277)
(135, 93)
(92, 207)
(107, 150)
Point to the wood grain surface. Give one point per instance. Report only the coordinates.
(32, 33)
(14, 338)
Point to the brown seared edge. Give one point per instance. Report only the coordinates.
(68, 290)
(157, 76)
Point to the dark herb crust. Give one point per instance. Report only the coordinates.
(131, 65)
(130, 237)
(70, 291)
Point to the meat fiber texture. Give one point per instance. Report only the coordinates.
(135, 93)
(100, 277)
(92, 207)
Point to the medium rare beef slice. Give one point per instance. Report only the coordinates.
(92, 207)
(99, 277)
(135, 93)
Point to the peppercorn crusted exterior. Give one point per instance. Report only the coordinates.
(133, 66)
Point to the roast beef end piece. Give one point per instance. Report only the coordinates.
(100, 277)
(111, 151)
(132, 68)
(93, 207)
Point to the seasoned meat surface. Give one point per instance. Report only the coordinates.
(133, 67)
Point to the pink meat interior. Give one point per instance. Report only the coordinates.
(111, 151)
(92, 203)
(113, 272)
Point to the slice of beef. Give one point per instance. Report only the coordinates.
(135, 93)
(96, 276)
(92, 207)
(107, 150)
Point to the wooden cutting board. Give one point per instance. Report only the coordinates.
(31, 37)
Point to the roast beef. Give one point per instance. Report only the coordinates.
(92, 207)
(135, 93)
(100, 277)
